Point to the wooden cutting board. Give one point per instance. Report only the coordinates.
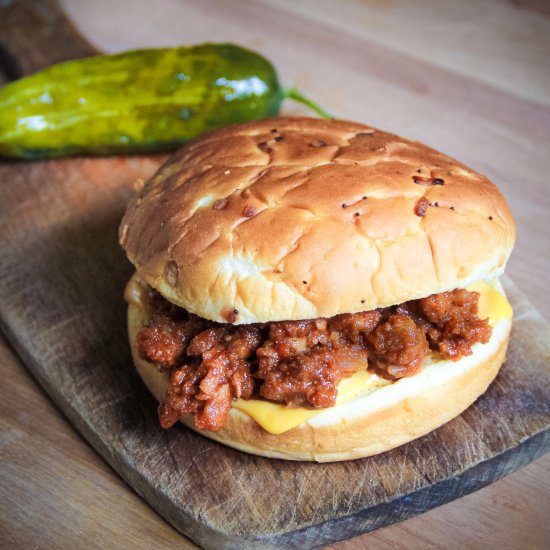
(62, 275)
(61, 305)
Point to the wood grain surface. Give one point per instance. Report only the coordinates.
(57, 490)
(34, 35)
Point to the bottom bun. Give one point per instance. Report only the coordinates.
(374, 422)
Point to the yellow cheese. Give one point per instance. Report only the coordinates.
(277, 419)
(272, 417)
(492, 303)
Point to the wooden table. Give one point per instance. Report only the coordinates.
(470, 78)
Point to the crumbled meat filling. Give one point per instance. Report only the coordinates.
(399, 346)
(215, 373)
(453, 323)
(298, 363)
(301, 363)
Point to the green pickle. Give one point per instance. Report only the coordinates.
(137, 101)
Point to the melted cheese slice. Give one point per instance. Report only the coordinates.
(492, 303)
(277, 419)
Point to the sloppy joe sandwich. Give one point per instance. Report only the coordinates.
(316, 289)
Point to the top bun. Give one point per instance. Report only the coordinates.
(298, 218)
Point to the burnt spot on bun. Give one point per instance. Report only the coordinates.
(420, 180)
(421, 207)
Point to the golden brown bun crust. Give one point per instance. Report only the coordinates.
(242, 219)
(380, 421)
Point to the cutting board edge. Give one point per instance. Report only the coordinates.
(406, 506)
(409, 505)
